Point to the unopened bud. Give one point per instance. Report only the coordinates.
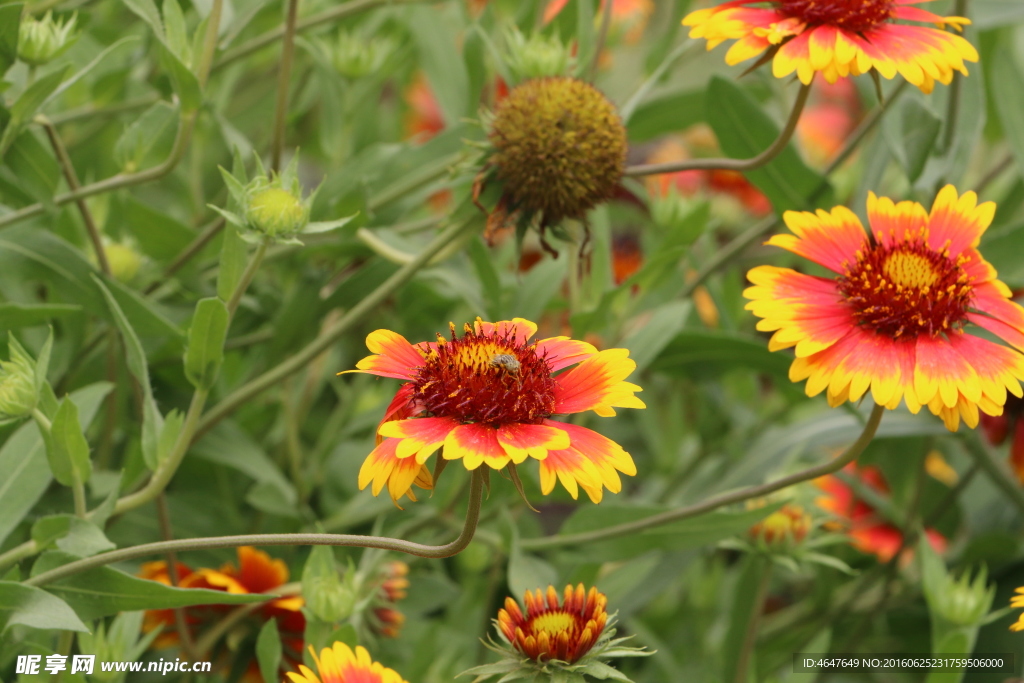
(124, 261)
(963, 602)
(330, 597)
(537, 56)
(355, 57)
(787, 525)
(19, 392)
(275, 211)
(41, 40)
(674, 213)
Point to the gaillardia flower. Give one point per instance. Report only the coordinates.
(1018, 601)
(342, 664)
(488, 398)
(892, 316)
(839, 38)
(558, 150)
(552, 640)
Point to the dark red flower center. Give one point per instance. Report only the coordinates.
(908, 289)
(490, 379)
(857, 16)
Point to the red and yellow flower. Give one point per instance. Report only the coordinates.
(891, 318)
(838, 38)
(342, 664)
(869, 532)
(489, 397)
(551, 630)
(1018, 601)
(788, 524)
(256, 572)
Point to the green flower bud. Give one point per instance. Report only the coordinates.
(355, 57)
(537, 56)
(19, 392)
(329, 596)
(963, 602)
(41, 40)
(275, 211)
(673, 212)
(124, 261)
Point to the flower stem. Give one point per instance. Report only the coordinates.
(61, 152)
(332, 333)
(602, 36)
(246, 279)
(346, 540)
(755, 162)
(753, 623)
(851, 454)
(283, 80)
(165, 470)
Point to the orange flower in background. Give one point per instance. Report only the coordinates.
(998, 427)
(869, 532)
(629, 17)
(829, 119)
(256, 572)
(788, 523)
(424, 119)
(385, 620)
(488, 397)
(342, 664)
(564, 631)
(838, 38)
(627, 256)
(892, 316)
(699, 141)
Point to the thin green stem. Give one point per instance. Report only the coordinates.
(335, 331)
(284, 74)
(669, 516)
(247, 275)
(163, 517)
(755, 162)
(44, 422)
(209, 43)
(165, 471)
(68, 169)
(18, 553)
(630, 107)
(345, 540)
(78, 491)
(113, 110)
(995, 470)
(337, 13)
(186, 255)
(754, 623)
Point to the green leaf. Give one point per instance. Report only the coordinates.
(228, 445)
(22, 605)
(490, 283)
(152, 421)
(912, 135)
(205, 350)
(696, 353)
(10, 22)
(665, 322)
(104, 591)
(745, 606)
(528, 573)
(137, 142)
(24, 464)
(70, 534)
(158, 234)
(24, 108)
(147, 11)
(34, 166)
(67, 450)
(14, 316)
(434, 30)
(233, 259)
(538, 287)
(1007, 91)
(177, 31)
(268, 650)
(744, 131)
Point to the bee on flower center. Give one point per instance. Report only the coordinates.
(506, 362)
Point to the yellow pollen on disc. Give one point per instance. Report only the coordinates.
(477, 357)
(553, 623)
(910, 270)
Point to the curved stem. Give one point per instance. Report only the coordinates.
(851, 454)
(758, 230)
(165, 471)
(733, 164)
(332, 333)
(347, 540)
(283, 80)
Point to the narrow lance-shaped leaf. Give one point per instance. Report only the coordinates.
(67, 449)
(22, 605)
(205, 350)
(268, 650)
(10, 23)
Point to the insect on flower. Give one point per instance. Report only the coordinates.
(506, 362)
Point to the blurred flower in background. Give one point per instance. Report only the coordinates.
(1010, 423)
